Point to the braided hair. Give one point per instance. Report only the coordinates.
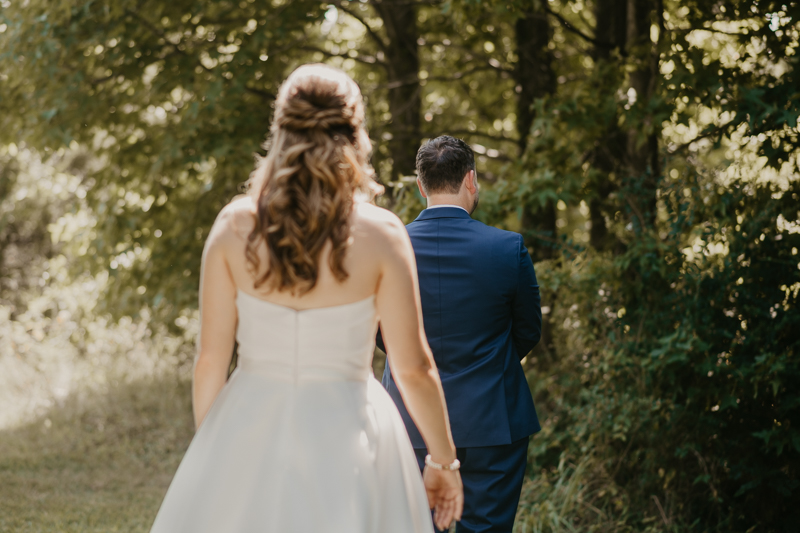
(317, 160)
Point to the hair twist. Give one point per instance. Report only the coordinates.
(317, 160)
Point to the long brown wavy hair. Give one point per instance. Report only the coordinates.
(317, 160)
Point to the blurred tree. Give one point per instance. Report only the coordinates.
(174, 96)
(390, 36)
(671, 112)
(402, 67)
(535, 81)
(24, 238)
(641, 154)
(608, 47)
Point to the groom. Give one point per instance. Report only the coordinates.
(482, 315)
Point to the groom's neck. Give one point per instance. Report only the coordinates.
(449, 199)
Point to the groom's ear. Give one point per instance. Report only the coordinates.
(421, 190)
(471, 182)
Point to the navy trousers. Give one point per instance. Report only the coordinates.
(492, 477)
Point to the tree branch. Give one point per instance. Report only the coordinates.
(553, 240)
(157, 31)
(454, 77)
(483, 135)
(177, 50)
(98, 81)
(636, 211)
(377, 38)
(266, 95)
(410, 2)
(710, 29)
(367, 60)
(478, 55)
(569, 27)
(708, 133)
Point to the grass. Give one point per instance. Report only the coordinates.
(98, 463)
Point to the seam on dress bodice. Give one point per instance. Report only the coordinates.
(322, 343)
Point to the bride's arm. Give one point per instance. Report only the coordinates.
(217, 321)
(411, 360)
(398, 304)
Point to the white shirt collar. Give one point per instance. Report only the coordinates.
(447, 205)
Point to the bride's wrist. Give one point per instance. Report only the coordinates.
(450, 466)
(443, 457)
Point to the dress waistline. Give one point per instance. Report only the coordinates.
(299, 372)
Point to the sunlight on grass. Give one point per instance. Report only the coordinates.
(98, 463)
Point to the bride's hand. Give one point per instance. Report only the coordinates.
(445, 495)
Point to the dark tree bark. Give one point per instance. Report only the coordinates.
(611, 18)
(535, 79)
(641, 151)
(534, 70)
(402, 67)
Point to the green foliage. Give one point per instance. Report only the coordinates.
(668, 386)
(150, 88)
(676, 366)
(54, 338)
(666, 377)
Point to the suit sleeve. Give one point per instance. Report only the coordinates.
(526, 325)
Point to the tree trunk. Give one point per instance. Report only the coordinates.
(535, 79)
(611, 19)
(610, 35)
(641, 149)
(534, 71)
(402, 66)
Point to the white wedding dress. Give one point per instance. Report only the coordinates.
(302, 438)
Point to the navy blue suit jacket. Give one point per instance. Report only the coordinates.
(482, 315)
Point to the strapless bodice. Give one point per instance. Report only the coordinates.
(325, 343)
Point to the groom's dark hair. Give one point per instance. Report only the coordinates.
(442, 163)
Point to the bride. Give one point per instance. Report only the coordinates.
(302, 438)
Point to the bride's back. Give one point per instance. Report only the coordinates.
(366, 248)
(300, 238)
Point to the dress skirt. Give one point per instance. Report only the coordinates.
(277, 455)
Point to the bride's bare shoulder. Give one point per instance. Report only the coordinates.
(235, 221)
(379, 226)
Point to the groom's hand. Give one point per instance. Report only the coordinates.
(445, 495)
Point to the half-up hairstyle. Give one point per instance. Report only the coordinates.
(317, 160)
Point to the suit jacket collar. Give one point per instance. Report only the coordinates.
(442, 212)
